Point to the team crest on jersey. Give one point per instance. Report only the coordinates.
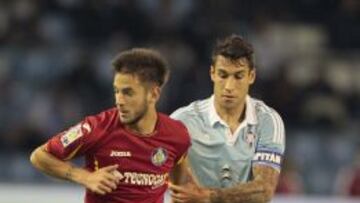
(249, 138)
(74, 133)
(159, 156)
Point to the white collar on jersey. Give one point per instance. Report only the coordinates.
(250, 115)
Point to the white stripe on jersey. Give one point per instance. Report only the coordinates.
(276, 127)
(203, 105)
(278, 134)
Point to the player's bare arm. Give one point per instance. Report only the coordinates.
(181, 173)
(184, 187)
(101, 181)
(177, 174)
(260, 190)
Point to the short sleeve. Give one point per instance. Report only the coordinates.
(74, 141)
(186, 117)
(187, 143)
(179, 114)
(271, 142)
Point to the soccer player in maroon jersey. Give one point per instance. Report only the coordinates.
(131, 150)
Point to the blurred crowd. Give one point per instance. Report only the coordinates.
(55, 68)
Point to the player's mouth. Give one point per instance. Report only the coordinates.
(123, 112)
(226, 96)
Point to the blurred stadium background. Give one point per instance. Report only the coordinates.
(55, 68)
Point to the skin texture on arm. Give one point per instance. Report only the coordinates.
(177, 176)
(101, 181)
(181, 173)
(184, 187)
(259, 190)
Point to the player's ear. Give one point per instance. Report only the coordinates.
(252, 75)
(154, 93)
(212, 73)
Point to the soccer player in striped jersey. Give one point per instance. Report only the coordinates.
(238, 142)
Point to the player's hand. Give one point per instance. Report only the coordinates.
(102, 181)
(189, 193)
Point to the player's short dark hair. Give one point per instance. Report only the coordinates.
(233, 47)
(145, 63)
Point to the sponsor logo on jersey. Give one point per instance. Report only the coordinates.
(86, 127)
(114, 153)
(159, 156)
(74, 133)
(267, 157)
(142, 179)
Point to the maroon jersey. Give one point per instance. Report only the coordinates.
(354, 189)
(144, 162)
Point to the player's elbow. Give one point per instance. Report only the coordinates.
(34, 157)
(267, 197)
(267, 194)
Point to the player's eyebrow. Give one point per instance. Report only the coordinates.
(122, 89)
(126, 89)
(222, 71)
(229, 73)
(239, 72)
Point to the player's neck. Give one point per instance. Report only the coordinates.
(231, 116)
(146, 126)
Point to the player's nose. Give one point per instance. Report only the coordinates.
(229, 84)
(119, 99)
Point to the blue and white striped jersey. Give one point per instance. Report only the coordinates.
(221, 159)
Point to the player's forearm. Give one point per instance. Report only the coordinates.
(180, 174)
(177, 175)
(260, 190)
(252, 192)
(55, 167)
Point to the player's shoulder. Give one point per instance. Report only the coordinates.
(192, 110)
(170, 123)
(264, 112)
(174, 128)
(92, 128)
(103, 118)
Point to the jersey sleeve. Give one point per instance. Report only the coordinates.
(74, 141)
(185, 147)
(179, 114)
(271, 142)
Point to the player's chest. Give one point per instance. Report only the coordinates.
(135, 154)
(238, 146)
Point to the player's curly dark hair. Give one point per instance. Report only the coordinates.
(145, 63)
(233, 47)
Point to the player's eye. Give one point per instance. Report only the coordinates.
(222, 75)
(239, 76)
(128, 92)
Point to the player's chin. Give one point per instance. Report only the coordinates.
(126, 120)
(228, 102)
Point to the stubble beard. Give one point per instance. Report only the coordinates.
(138, 115)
